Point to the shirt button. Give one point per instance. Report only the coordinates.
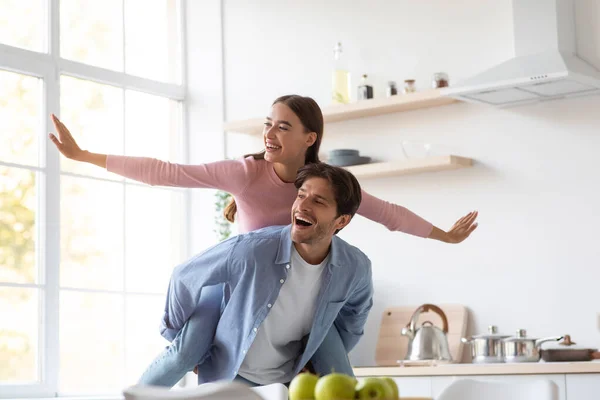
(288, 266)
(281, 281)
(243, 351)
(269, 305)
(255, 329)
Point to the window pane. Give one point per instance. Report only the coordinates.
(23, 23)
(93, 113)
(152, 40)
(91, 32)
(154, 219)
(18, 335)
(143, 340)
(20, 118)
(152, 126)
(91, 343)
(91, 234)
(17, 225)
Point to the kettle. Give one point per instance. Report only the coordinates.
(428, 342)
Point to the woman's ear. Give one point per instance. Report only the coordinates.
(311, 138)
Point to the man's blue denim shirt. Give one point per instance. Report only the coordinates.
(253, 268)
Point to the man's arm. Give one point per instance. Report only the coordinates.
(187, 281)
(351, 320)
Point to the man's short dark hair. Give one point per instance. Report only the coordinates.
(346, 188)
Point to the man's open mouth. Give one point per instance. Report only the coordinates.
(303, 221)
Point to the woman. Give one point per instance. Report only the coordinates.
(263, 191)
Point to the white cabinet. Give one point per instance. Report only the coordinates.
(583, 386)
(575, 381)
(439, 383)
(414, 386)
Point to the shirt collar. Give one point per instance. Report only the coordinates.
(284, 253)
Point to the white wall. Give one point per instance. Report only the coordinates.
(533, 262)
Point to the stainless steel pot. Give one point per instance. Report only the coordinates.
(486, 348)
(520, 348)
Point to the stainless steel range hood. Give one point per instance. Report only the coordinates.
(545, 66)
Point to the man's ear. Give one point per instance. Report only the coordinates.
(342, 221)
(311, 138)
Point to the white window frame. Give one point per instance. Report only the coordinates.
(49, 66)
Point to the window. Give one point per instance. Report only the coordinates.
(86, 255)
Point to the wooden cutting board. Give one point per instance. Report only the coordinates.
(392, 346)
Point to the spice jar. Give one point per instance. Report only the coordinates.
(391, 89)
(409, 86)
(440, 80)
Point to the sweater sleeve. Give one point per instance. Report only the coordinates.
(393, 216)
(229, 175)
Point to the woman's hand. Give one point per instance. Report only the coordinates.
(462, 228)
(69, 148)
(65, 142)
(459, 231)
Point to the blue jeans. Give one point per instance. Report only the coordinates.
(192, 344)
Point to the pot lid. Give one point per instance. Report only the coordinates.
(567, 344)
(492, 334)
(520, 337)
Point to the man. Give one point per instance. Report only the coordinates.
(286, 287)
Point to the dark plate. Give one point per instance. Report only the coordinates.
(348, 161)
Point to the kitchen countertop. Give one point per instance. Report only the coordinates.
(590, 367)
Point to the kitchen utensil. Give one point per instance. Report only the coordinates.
(427, 342)
(486, 348)
(568, 353)
(520, 348)
(392, 346)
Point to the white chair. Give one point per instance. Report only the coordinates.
(469, 389)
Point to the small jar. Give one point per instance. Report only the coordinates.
(440, 80)
(409, 86)
(392, 90)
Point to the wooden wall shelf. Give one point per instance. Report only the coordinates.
(410, 166)
(361, 109)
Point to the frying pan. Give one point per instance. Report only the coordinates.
(566, 354)
(570, 355)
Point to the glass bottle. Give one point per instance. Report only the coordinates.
(365, 91)
(440, 80)
(409, 86)
(392, 90)
(341, 78)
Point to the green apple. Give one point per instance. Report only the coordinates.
(335, 386)
(302, 387)
(373, 388)
(393, 385)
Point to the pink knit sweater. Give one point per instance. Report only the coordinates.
(262, 198)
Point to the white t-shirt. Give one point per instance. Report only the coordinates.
(278, 342)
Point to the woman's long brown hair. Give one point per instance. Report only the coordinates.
(311, 116)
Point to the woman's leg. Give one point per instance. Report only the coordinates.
(331, 356)
(191, 345)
